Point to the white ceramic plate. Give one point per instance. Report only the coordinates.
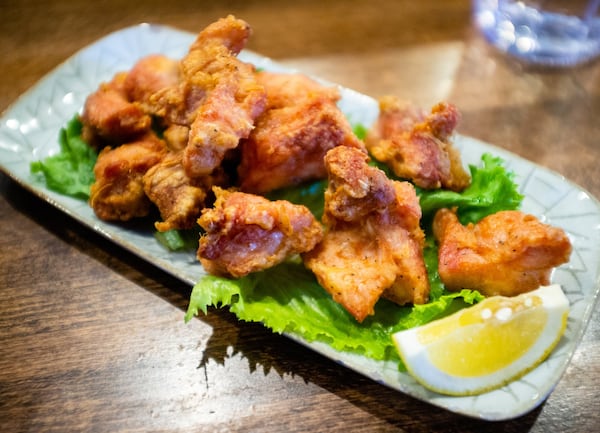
(29, 132)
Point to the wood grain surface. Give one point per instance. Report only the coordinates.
(92, 338)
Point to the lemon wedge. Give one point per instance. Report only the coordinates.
(485, 346)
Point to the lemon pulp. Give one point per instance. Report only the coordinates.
(488, 337)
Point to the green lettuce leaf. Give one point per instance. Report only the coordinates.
(178, 240)
(71, 171)
(288, 299)
(360, 131)
(492, 189)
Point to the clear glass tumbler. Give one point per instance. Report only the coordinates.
(551, 32)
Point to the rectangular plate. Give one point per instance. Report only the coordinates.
(29, 132)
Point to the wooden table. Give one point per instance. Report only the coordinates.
(92, 338)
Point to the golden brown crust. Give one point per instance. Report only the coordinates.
(247, 233)
(290, 140)
(118, 192)
(149, 75)
(373, 245)
(179, 199)
(506, 253)
(109, 115)
(417, 146)
(217, 96)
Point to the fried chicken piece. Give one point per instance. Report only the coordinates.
(150, 75)
(373, 244)
(230, 108)
(287, 89)
(212, 54)
(247, 233)
(109, 115)
(118, 192)
(178, 198)
(418, 146)
(217, 96)
(116, 112)
(506, 253)
(227, 116)
(291, 138)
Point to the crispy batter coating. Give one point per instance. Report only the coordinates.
(226, 116)
(149, 75)
(117, 112)
(118, 192)
(211, 54)
(110, 116)
(178, 198)
(247, 233)
(373, 244)
(418, 146)
(217, 96)
(287, 89)
(506, 253)
(291, 138)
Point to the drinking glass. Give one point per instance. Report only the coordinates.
(552, 32)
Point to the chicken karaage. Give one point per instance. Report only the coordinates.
(247, 233)
(118, 191)
(373, 244)
(109, 117)
(506, 253)
(178, 198)
(217, 96)
(417, 146)
(288, 145)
